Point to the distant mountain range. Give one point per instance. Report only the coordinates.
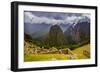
(41, 29)
(79, 33)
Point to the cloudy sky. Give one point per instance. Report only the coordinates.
(54, 17)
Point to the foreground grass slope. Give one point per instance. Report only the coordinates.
(45, 57)
(82, 52)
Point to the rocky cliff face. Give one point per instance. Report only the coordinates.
(79, 33)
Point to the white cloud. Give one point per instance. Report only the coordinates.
(87, 15)
(71, 19)
(28, 17)
(31, 18)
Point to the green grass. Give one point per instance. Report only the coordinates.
(45, 57)
(79, 51)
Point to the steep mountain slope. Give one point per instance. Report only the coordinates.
(55, 36)
(36, 30)
(79, 33)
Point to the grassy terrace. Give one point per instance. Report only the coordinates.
(44, 57)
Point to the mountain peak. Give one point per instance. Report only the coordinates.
(55, 36)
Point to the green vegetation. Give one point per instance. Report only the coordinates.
(80, 51)
(74, 46)
(45, 57)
